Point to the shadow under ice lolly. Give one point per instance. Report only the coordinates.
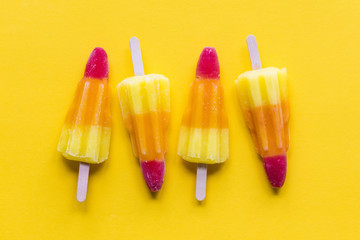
(264, 102)
(85, 136)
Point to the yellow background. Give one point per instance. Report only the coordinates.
(44, 46)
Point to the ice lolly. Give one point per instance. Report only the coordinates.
(204, 132)
(145, 105)
(264, 102)
(85, 136)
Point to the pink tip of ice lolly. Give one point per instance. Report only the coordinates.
(153, 172)
(97, 65)
(275, 167)
(208, 64)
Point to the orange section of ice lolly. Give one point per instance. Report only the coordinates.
(152, 145)
(269, 128)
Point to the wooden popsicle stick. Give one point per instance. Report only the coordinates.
(136, 56)
(84, 169)
(201, 175)
(253, 52)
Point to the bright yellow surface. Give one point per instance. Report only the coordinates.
(44, 46)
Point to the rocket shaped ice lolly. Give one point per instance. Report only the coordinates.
(204, 132)
(145, 106)
(85, 136)
(264, 103)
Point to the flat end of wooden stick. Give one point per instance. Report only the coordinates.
(133, 39)
(201, 181)
(136, 56)
(250, 38)
(253, 52)
(82, 182)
